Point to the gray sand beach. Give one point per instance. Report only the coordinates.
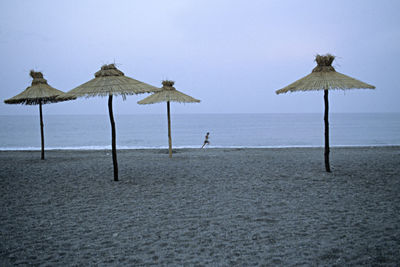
(217, 207)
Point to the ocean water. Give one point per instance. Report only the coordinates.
(188, 130)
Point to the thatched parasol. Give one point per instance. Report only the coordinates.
(324, 77)
(111, 81)
(168, 94)
(38, 93)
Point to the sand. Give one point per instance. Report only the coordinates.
(219, 207)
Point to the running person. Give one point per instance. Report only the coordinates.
(206, 141)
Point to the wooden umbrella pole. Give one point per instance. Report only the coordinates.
(169, 130)
(41, 128)
(113, 138)
(327, 166)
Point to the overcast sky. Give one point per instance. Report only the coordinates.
(232, 55)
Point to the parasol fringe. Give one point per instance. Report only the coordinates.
(46, 100)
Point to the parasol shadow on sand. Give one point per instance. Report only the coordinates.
(110, 81)
(168, 94)
(324, 77)
(39, 93)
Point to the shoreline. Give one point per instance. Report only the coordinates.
(190, 148)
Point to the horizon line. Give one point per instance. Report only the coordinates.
(207, 113)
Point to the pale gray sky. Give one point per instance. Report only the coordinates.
(232, 55)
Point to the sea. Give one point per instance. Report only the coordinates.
(149, 131)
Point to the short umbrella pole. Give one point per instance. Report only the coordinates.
(113, 138)
(327, 166)
(169, 130)
(41, 128)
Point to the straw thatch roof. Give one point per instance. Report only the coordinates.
(324, 77)
(168, 93)
(111, 81)
(39, 92)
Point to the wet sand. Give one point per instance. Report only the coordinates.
(221, 207)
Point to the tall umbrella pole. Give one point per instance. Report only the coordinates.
(41, 127)
(113, 138)
(327, 166)
(169, 130)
